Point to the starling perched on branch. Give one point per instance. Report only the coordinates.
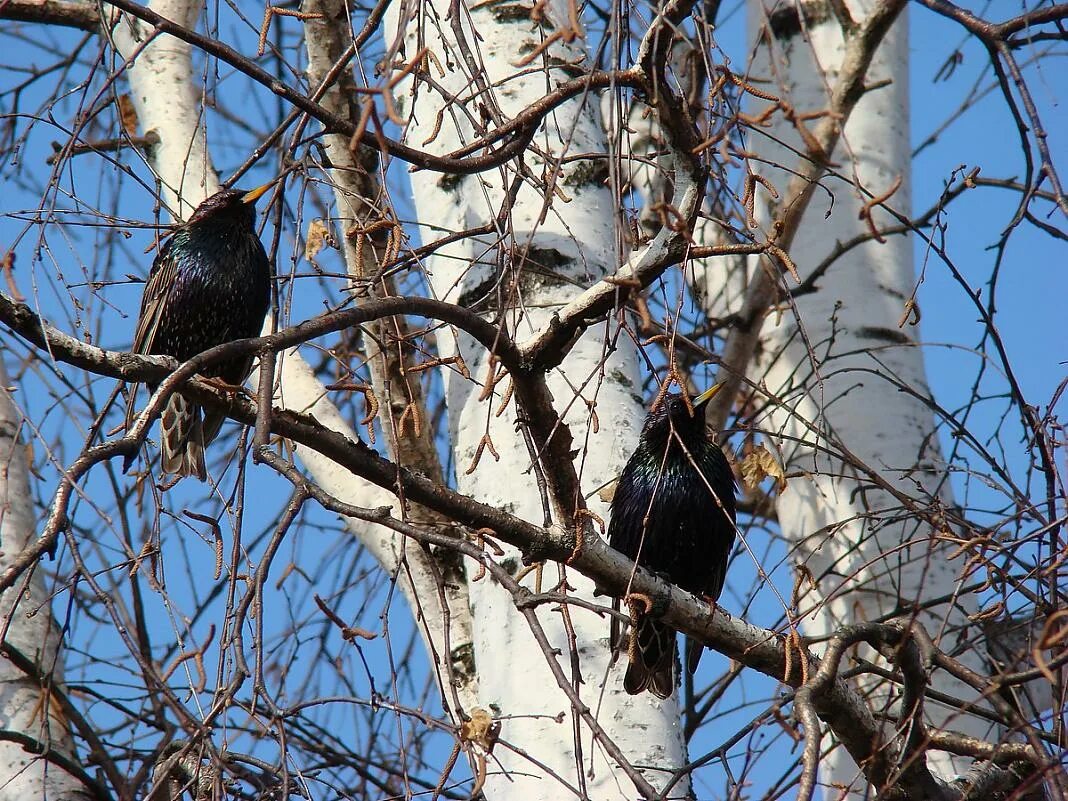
(210, 284)
(673, 513)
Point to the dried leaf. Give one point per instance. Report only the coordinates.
(481, 729)
(317, 239)
(760, 464)
(29, 457)
(608, 491)
(1054, 636)
(128, 115)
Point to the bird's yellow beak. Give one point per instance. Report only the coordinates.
(707, 395)
(257, 193)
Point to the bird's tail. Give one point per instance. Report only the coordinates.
(182, 438)
(652, 659)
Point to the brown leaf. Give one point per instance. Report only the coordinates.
(481, 729)
(350, 633)
(760, 464)
(7, 266)
(128, 115)
(608, 491)
(1054, 636)
(317, 239)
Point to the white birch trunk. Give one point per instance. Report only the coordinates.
(576, 242)
(163, 70)
(168, 102)
(868, 561)
(27, 709)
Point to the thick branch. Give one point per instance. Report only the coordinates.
(68, 13)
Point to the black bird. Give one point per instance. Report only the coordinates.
(673, 513)
(210, 284)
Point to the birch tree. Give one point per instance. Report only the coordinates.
(37, 755)
(841, 362)
(499, 232)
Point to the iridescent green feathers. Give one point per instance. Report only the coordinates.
(210, 284)
(673, 512)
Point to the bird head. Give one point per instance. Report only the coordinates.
(673, 413)
(230, 204)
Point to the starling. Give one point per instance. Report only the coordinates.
(210, 284)
(673, 513)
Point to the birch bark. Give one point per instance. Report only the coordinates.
(28, 708)
(556, 236)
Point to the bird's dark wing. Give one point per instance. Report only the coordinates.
(637, 508)
(699, 505)
(628, 509)
(154, 300)
(644, 512)
(710, 527)
(717, 469)
(162, 279)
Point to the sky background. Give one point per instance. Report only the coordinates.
(1031, 293)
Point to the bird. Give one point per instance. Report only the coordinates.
(673, 512)
(209, 284)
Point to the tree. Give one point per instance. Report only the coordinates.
(499, 231)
